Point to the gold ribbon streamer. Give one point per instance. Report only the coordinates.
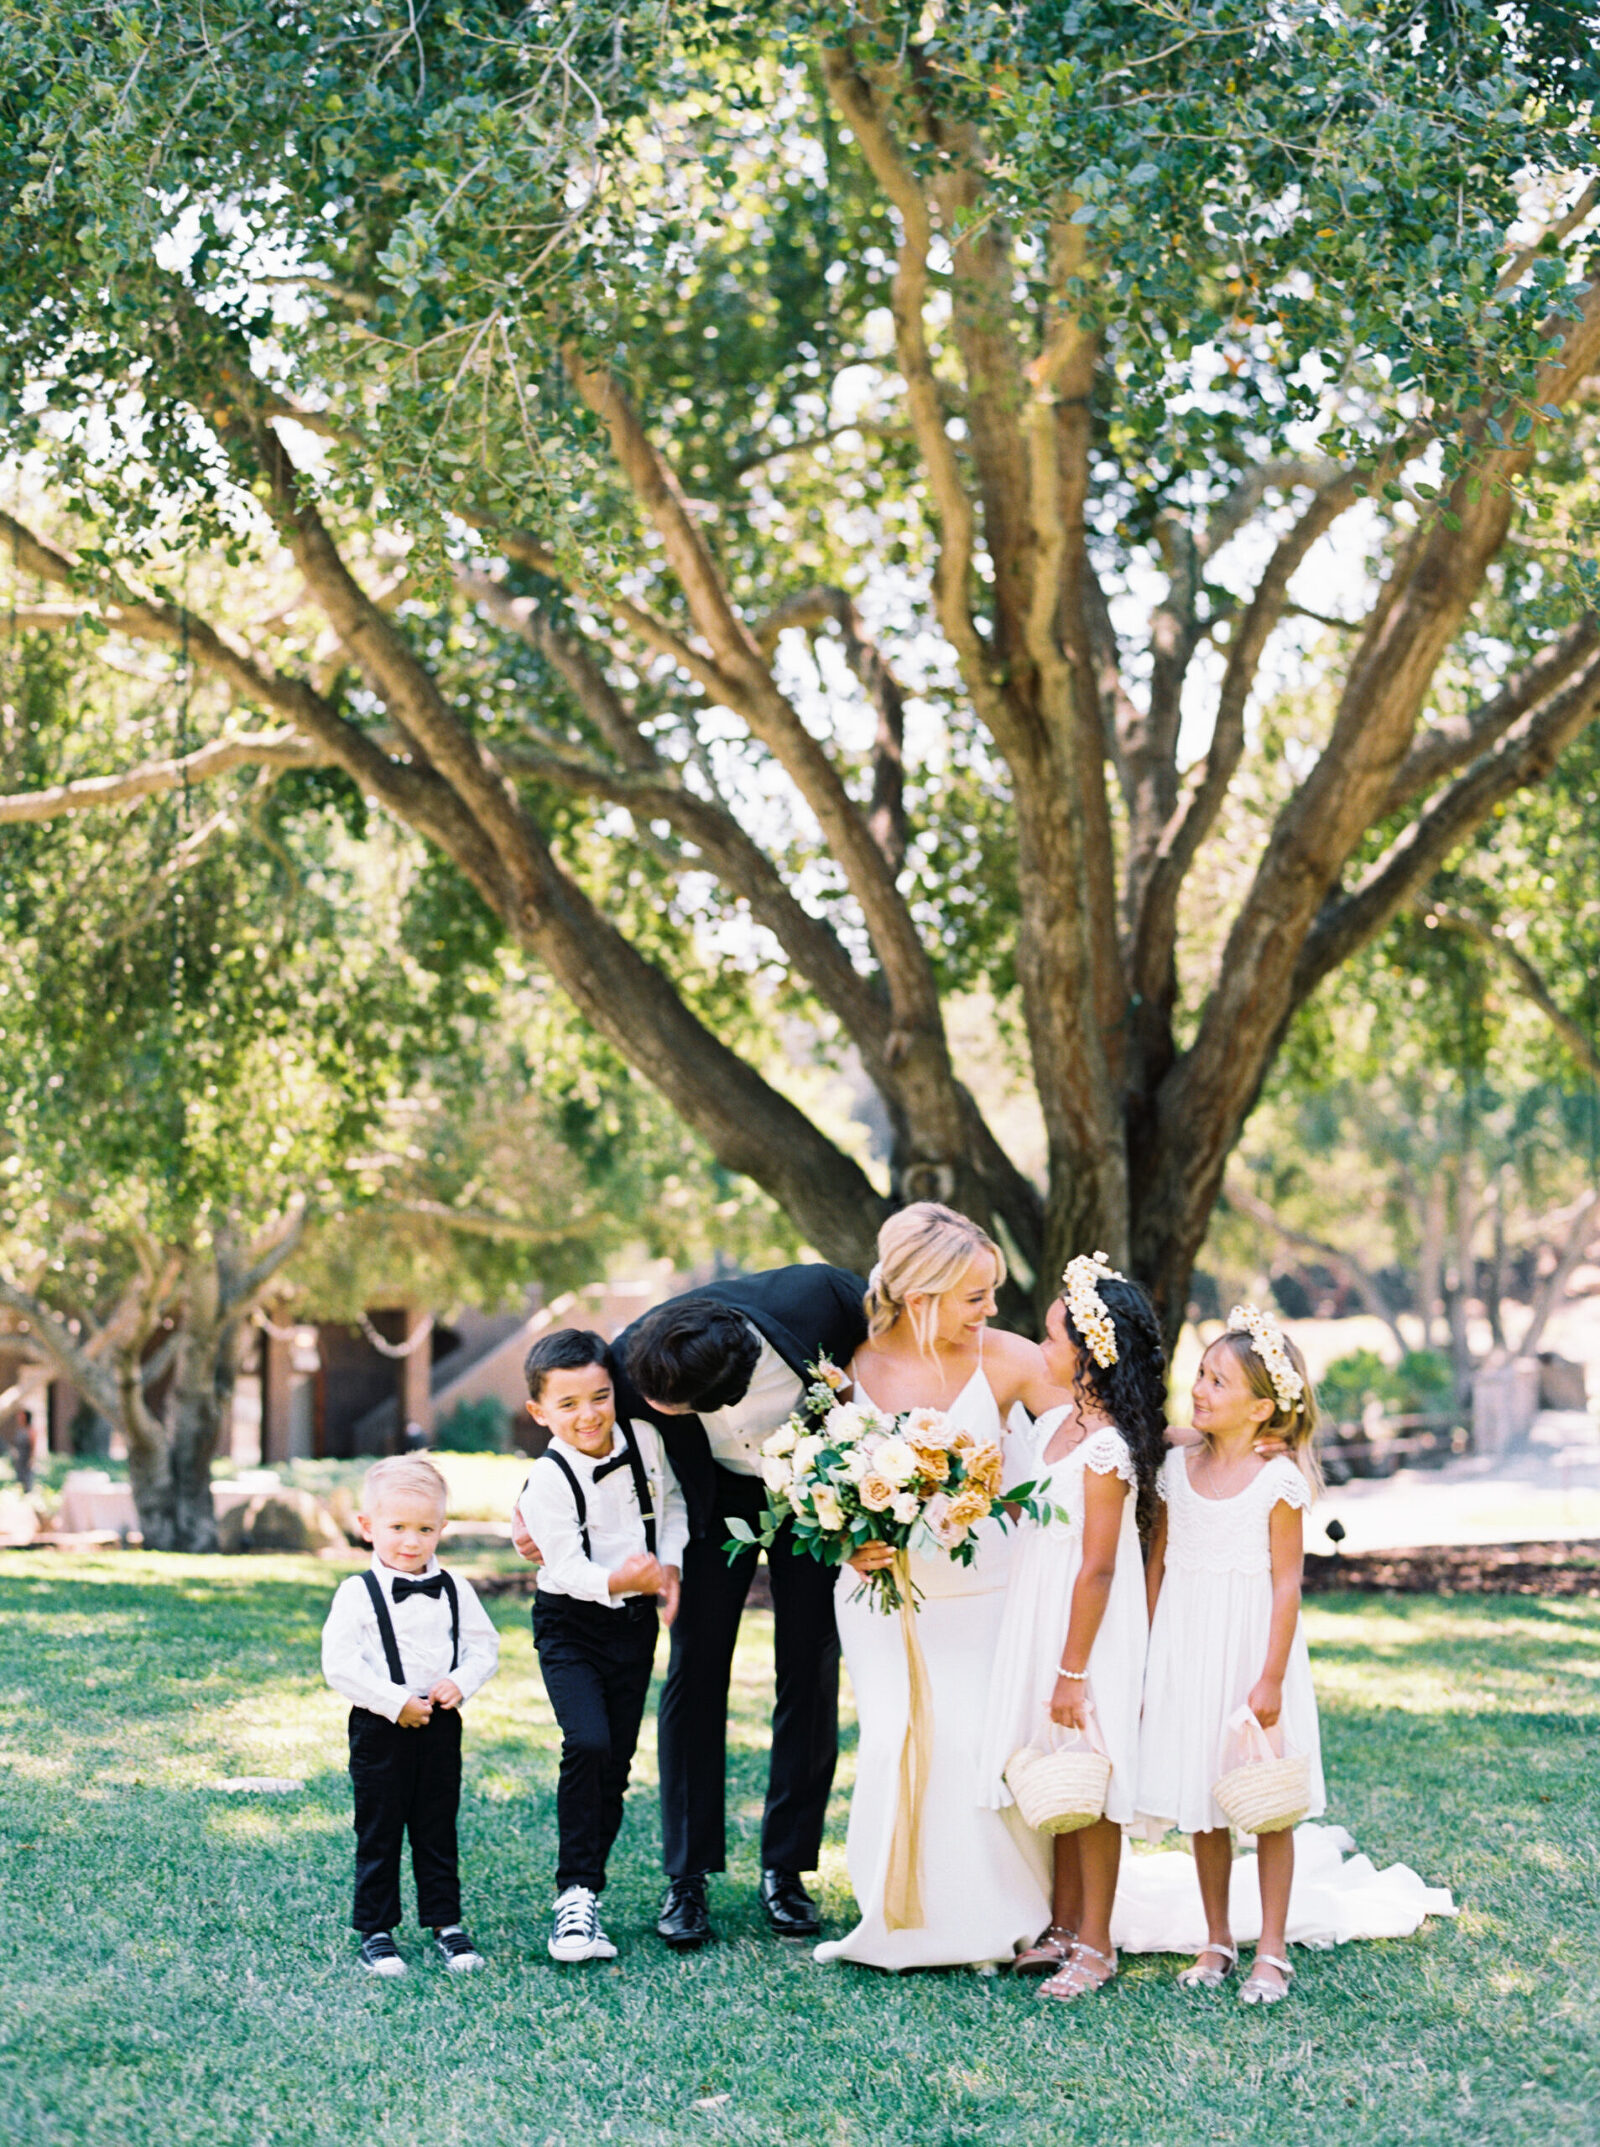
(902, 1893)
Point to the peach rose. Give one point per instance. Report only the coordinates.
(985, 1468)
(970, 1504)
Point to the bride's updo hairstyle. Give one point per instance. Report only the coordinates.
(923, 1252)
(1131, 1390)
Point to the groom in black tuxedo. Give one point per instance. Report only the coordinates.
(717, 1371)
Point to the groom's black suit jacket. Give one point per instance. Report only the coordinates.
(804, 1312)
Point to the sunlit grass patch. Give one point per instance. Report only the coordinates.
(178, 1960)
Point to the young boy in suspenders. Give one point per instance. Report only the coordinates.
(604, 1508)
(407, 1644)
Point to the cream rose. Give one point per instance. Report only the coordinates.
(905, 1507)
(805, 1452)
(825, 1505)
(776, 1473)
(876, 1492)
(896, 1460)
(846, 1424)
(781, 1442)
(929, 1427)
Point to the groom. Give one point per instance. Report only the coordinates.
(717, 1371)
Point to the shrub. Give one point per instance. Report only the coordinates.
(477, 1427)
(1426, 1383)
(1349, 1383)
(1421, 1384)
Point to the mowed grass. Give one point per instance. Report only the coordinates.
(176, 1964)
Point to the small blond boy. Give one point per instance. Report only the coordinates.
(407, 1644)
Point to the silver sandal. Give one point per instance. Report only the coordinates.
(1074, 1978)
(1252, 1991)
(1050, 1950)
(1199, 1977)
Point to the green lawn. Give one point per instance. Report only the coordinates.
(176, 1965)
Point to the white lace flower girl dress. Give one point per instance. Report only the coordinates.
(1208, 1645)
(1045, 1563)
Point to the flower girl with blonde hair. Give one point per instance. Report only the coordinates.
(1224, 1586)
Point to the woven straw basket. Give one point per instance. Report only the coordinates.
(1058, 1791)
(1267, 1792)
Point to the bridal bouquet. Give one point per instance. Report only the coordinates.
(847, 1473)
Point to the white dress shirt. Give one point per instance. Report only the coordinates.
(736, 1432)
(352, 1646)
(611, 1507)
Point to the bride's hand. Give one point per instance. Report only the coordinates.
(872, 1558)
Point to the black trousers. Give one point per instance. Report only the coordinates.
(406, 1781)
(693, 1726)
(596, 1666)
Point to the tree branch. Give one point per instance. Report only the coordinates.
(886, 814)
(1555, 1283)
(94, 793)
(1452, 744)
(1524, 975)
(1345, 1263)
(412, 792)
(51, 1334)
(862, 108)
(755, 697)
(1525, 755)
(1154, 903)
(1521, 261)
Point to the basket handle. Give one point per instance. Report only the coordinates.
(1254, 1743)
(1090, 1732)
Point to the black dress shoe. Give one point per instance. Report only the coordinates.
(685, 1921)
(790, 1909)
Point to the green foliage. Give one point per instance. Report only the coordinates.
(476, 1427)
(1422, 1383)
(1350, 1382)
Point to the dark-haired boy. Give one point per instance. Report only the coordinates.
(604, 1508)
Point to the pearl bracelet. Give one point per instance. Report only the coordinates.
(1078, 1677)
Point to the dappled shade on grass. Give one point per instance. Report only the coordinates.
(178, 1965)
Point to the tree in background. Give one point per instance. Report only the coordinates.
(1432, 1131)
(766, 490)
(230, 1074)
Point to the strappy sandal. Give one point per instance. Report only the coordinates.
(1050, 1950)
(1075, 1979)
(1199, 1977)
(1253, 1991)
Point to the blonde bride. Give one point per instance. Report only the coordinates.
(981, 1883)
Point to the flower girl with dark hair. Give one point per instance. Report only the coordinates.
(1072, 1642)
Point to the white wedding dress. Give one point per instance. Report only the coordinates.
(983, 1874)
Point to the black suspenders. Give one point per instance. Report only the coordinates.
(641, 1488)
(391, 1646)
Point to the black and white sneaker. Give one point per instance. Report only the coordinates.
(456, 1950)
(380, 1956)
(577, 1935)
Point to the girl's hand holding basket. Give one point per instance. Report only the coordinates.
(1070, 1705)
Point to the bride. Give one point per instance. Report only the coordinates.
(981, 1875)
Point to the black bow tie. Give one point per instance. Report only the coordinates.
(617, 1461)
(404, 1587)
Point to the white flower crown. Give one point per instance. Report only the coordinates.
(1082, 1278)
(1267, 1340)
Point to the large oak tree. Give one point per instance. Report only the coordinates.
(591, 364)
